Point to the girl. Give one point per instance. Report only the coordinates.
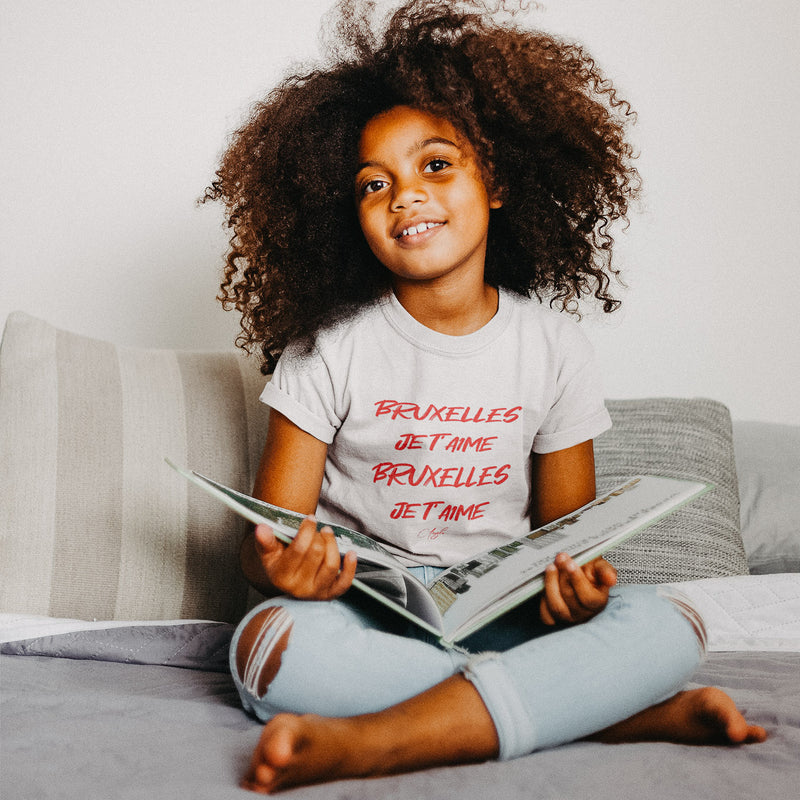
(400, 216)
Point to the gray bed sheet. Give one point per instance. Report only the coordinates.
(151, 713)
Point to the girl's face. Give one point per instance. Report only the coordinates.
(421, 200)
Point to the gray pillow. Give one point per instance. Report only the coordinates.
(768, 464)
(93, 524)
(677, 438)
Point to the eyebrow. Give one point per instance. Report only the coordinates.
(415, 148)
(433, 140)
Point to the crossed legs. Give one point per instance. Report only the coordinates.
(431, 707)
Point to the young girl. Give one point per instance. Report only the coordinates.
(408, 220)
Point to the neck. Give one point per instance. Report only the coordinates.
(453, 310)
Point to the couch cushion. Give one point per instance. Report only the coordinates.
(768, 465)
(677, 438)
(93, 524)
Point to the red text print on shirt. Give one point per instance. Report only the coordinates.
(419, 473)
(395, 409)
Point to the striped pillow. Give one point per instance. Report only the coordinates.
(93, 524)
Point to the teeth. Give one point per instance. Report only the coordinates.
(423, 226)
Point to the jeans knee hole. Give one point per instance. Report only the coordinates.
(260, 649)
(687, 610)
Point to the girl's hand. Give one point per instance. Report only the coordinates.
(310, 568)
(574, 594)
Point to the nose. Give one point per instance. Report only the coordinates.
(407, 192)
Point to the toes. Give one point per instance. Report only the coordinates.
(278, 741)
(265, 776)
(273, 755)
(721, 714)
(755, 734)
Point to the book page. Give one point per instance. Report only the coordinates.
(490, 582)
(366, 548)
(379, 573)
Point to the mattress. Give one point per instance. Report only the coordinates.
(148, 710)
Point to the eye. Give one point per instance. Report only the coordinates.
(436, 165)
(372, 186)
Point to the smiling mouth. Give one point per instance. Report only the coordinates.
(414, 230)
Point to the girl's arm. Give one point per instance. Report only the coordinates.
(290, 476)
(561, 482)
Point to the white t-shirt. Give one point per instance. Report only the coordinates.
(430, 436)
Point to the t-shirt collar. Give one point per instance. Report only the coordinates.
(427, 339)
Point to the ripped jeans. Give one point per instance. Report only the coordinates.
(542, 686)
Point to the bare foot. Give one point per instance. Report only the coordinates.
(295, 750)
(448, 724)
(696, 716)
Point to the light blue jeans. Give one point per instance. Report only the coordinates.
(542, 687)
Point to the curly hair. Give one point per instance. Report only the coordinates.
(547, 126)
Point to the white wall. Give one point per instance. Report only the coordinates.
(114, 114)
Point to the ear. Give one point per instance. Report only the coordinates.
(495, 202)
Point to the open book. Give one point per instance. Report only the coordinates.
(471, 594)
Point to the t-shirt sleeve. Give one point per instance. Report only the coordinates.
(578, 412)
(302, 391)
